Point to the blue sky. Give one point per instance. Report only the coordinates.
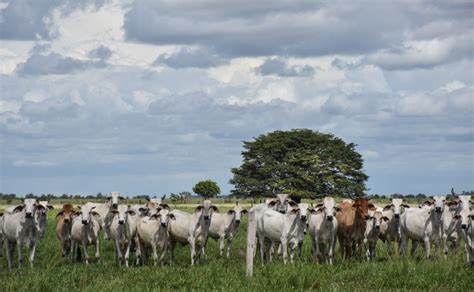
(149, 97)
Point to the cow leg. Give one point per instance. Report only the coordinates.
(427, 248)
(403, 244)
(332, 248)
(32, 251)
(389, 247)
(229, 245)
(84, 249)
(118, 252)
(97, 249)
(293, 246)
(127, 251)
(221, 245)
(263, 249)
(414, 245)
(154, 254)
(314, 248)
(192, 245)
(300, 248)
(19, 245)
(284, 249)
(10, 249)
(172, 246)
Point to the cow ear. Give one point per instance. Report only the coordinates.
(372, 207)
(165, 206)
(428, 203)
(114, 211)
(272, 203)
(230, 212)
(319, 205)
(18, 209)
(199, 208)
(95, 214)
(338, 209)
(386, 208)
(457, 216)
(121, 198)
(109, 198)
(79, 207)
(40, 208)
(215, 208)
(75, 214)
(385, 218)
(292, 203)
(142, 210)
(294, 211)
(61, 213)
(172, 217)
(131, 212)
(244, 211)
(155, 216)
(405, 206)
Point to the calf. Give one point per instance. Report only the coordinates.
(153, 233)
(392, 231)
(424, 225)
(63, 228)
(191, 229)
(372, 231)
(85, 231)
(123, 231)
(351, 225)
(275, 227)
(19, 229)
(225, 226)
(322, 230)
(41, 218)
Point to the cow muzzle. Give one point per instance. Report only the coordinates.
(163, 224)
(281, 211)
(303, 218)
(464, 226)
(66, 220)
(206, 217)
(121, 222)
(29, 215)
(377, 227)
(329, 218)
(85, 222)
(397, 215)
(237, 221)
(438, 209)
(114, 206)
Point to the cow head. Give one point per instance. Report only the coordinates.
(121, 212)
(378, 219)
(66, 213)
(281, 203)
(396, 205)
(86, 212)
(29, 206)
(439, 203)
(164, 216)
(237, 212)
(206, 209)
(328, 207)
(361, 206)
(114, 199)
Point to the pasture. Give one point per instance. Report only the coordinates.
(52, 272)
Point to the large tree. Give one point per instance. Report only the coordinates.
(207, 188)
(302, 162)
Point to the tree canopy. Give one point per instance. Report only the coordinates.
(302, 162)
(207, 188)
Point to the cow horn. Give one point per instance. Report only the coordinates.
(453, 193)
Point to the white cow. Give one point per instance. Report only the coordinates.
(191, 229)
(323, 229)
(225, 226)
(153, 233)
(275, 227)
(392, 231)
(465, 227)
(41, 218)
(372, 232)
(423, 225)
(19, 229)
(104, 209)
(123, 231)
(85, 231)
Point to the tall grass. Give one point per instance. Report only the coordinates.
(52, 272)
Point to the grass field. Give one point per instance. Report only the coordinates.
(51, 272)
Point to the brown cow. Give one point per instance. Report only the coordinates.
(351, 225)
(63, 228)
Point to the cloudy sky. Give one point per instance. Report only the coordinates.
(151, 96)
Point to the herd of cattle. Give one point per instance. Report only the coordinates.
(279, 225)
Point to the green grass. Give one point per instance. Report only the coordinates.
(51, 272)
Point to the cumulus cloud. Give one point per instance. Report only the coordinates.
(275, 66)
(32, 20)
(102, 52)
(189, 58)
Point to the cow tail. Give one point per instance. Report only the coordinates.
(251, 242)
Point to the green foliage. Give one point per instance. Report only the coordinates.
(302, 162)
(207, 188)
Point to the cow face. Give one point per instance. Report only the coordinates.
(396, 207)
(29, 207)
(114, 199)
(237, 211)
(330, 209)
(281, 203)
(361, 205)
(164, 216)
(66, 213)
(439, 203)
(377, 219)
(463, 218)
(86, 212)
(206, 209)
(121, 213)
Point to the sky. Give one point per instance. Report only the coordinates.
(151, 96)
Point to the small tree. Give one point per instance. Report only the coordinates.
(207, 188)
